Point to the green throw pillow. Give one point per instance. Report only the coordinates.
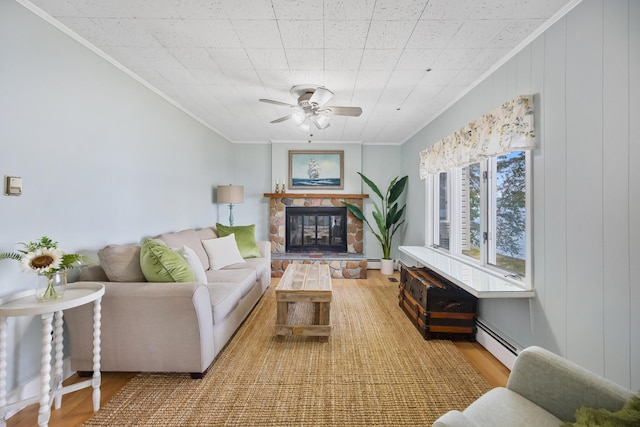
(161, 264)
(628, 416)
(245, 238)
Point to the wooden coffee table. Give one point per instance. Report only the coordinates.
(305, 283)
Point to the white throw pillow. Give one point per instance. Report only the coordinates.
(192, 259)
(222, 251)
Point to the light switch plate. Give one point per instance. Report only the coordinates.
(12, 186)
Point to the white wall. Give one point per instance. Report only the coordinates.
(583, 72)
(103, 159)
(381, 164)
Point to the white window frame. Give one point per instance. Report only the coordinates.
(487, 222)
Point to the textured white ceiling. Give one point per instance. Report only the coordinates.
(216, 58)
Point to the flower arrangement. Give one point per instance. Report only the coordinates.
(43, 257)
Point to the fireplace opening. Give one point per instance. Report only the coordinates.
(319, 229)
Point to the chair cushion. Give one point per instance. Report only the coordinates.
(502, 407)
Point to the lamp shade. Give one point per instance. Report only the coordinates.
(230, 194)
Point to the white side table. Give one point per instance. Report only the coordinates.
(25, 304)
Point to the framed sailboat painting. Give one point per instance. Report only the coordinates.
(316, 170)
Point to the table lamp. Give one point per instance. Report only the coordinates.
(231, 194)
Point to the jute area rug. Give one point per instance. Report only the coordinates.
(375, 370)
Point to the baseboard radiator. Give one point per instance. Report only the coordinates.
(502, 348)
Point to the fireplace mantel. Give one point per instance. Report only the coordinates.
(315, 196)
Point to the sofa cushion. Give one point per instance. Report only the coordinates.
(188, 238)
(244, 279)
(224, 298)
(260, 265)
(502, 407)
(245, 237)
(121, 263)
(195, 265)
(206, 233)
(161, 264)
(222, 252)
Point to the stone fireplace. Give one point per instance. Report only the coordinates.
(324, 227)
(316, 229)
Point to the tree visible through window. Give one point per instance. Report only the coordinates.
(510, 212)
(482, 210)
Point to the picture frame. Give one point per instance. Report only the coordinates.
(316, 170)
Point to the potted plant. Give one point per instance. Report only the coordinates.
(387, 216)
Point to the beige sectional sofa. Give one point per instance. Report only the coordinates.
(164, 326)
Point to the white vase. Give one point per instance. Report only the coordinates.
(386, 266)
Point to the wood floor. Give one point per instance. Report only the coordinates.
(77, 406)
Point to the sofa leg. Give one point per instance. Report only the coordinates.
(198, 375)
(85, 374)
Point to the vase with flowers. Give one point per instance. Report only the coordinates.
(50, 263)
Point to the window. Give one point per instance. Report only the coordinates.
(443, 210)
(481, 213)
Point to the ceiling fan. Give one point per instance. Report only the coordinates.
(311, 108)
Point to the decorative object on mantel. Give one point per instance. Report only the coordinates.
(232, 194)
(505, 129)
(388, 217)
(44, 258)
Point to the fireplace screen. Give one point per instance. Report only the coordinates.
(316, 229)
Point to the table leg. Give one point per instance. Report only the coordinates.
(45, 371)
(95, 382)
(3, 371)
(59, 346)
(282, 312)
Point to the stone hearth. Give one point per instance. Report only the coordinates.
(349, 265)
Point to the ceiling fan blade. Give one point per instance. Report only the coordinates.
(343, 111)
(281, 119)
(321, 96)
(271, 101)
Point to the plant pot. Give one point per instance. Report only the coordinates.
(386, 267)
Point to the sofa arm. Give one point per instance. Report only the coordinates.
(146, 327)
(454, 419)
(560, 386)
(265, 249)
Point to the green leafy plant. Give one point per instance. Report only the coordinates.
(44, 257)
(387, 214)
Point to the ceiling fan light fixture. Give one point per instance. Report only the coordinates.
(298, 117)
(305, 126)
(321, 121)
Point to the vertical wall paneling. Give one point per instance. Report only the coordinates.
(634, 189)
(538, 325)
(584, 184)
(615, 108)
(553, 135)
(586, 198)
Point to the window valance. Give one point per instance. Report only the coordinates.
(507, 128)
